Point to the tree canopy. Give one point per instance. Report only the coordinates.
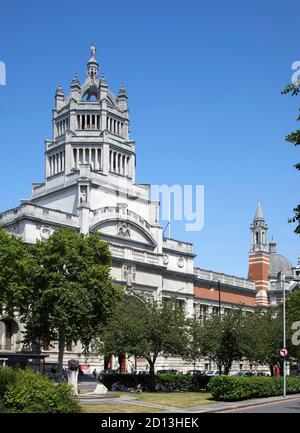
(146, 328)
(68, 293)
(294, 137)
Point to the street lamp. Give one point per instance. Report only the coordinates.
(282, 278)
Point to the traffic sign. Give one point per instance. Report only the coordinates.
(283, 352)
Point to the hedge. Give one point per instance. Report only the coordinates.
(231, 388)
(30, 392)
(179, 382)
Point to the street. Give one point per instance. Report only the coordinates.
(288, 406)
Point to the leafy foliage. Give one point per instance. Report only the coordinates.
(8, 376)
(294, 137)
(15, 269)
(219, 338)
(145, 328)
(292, 315)
(261, 338)
(179, 382)
(231, 388)
(66, 293)
(34, 393)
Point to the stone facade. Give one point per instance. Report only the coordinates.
(89, 185)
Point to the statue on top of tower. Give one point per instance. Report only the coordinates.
(93, 50)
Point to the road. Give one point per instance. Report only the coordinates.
(288, 406)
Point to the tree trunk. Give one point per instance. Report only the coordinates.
(226, 369)
(61, 349)
(151, 370)
(151, 373)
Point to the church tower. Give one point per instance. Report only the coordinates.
(259, 257)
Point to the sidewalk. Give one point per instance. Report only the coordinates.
(223, 406)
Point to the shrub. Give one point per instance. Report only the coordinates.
(34, 393)
(7, 377)
(179, 382)
(230, 388)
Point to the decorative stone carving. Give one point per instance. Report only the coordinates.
(93, 50)
(45, 232)
(129, 272)
(124, 229)
(83, 194)
(180, 262)
(73, 365)
(165, 259)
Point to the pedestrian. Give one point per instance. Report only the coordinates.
(95, 373)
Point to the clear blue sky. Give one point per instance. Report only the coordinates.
(203, 80)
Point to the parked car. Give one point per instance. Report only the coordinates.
(108, 371)
(170, 371)
(195, 372)
(142, 372)
(244, 373)
(213, 373)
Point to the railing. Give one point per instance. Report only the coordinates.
(225, 279)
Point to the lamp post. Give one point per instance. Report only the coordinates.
(284, 332)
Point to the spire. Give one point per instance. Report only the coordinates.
(75, 84)
(259, 214)
(103, 81)
(259, 230)
(122, 92)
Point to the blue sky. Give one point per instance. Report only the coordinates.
(203, 80)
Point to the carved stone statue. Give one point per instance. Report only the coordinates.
(73, 366)
(83, 194)
(93, 50)
(129, 274)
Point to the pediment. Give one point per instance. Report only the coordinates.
(124, 232)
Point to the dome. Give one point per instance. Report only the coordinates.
(278, 263)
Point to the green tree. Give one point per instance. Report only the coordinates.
(262, 338)
(16, 266)
(294, 137)
(71, 293)
(146, 328)
(292, 315)
(219, 338)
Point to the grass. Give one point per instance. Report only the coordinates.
(149, 400)
(177, 399)
(121, 408)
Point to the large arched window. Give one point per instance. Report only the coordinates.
(9, 331)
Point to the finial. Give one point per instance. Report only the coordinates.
(122, 91)
(59, 90)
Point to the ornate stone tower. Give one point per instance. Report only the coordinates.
(90, 126)
(259, 257)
